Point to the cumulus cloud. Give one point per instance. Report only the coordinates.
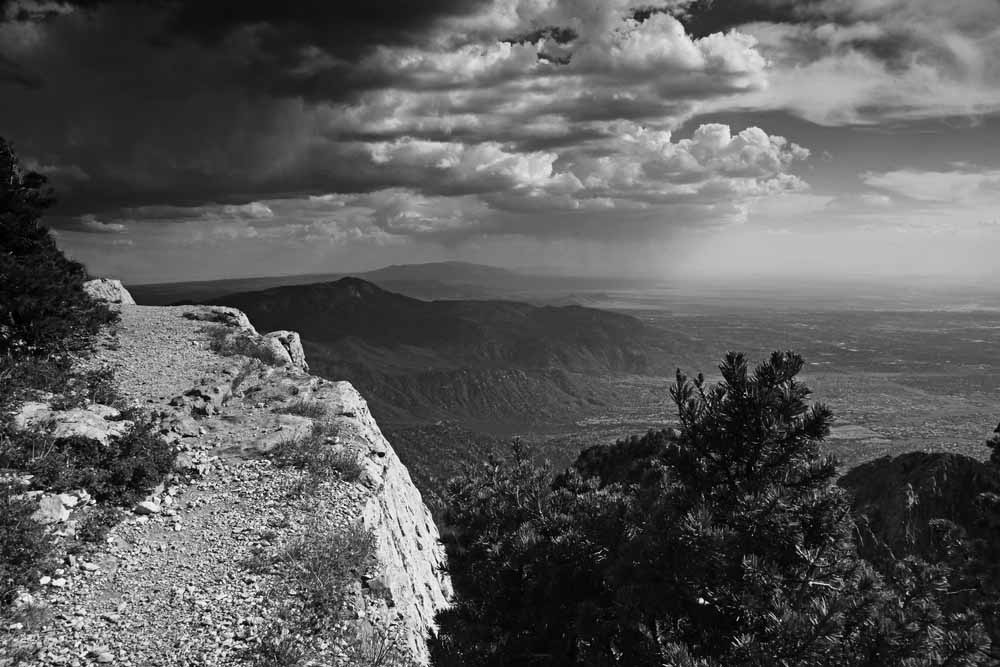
(201, 123)
(844, 62)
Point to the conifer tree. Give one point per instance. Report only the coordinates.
(724, 542)
(43, 307)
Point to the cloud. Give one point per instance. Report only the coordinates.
(939, 186)
(90, 224)
(267, 137)
(844, 62)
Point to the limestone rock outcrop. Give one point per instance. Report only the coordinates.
(110, 291)
(291, 345)
(95, 421)
(237, 335)
(230, 412)
(410, 577)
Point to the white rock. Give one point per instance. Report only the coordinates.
(147, 507)
(292, 344)
(109, 291)
(50, 510)
(89, 422)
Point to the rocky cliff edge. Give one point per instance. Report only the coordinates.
(197, 572)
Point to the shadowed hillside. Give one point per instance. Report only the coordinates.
(478, 360)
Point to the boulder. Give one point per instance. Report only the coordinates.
(272, 350)
(51, 510)
(184, 426)
(224, 315)
(204, 400)
(291, 343)
(109, 291)
(148, 507)
(93, 421)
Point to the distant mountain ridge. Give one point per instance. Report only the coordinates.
(447, 272)
(431, 278)
(504, 333)
(483, 360)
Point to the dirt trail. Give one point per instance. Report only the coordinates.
(179, 587)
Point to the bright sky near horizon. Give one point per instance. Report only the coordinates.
(196, 140)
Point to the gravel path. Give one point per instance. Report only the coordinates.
(156, 353)
(180, 587)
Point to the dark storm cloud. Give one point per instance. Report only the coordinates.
(436, 119)
(289, 38)
(12, 73)
(346, 29)
(705, 17)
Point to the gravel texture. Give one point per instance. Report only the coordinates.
(185, 586)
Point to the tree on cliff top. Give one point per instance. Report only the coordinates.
(43, 307)
(724, 543)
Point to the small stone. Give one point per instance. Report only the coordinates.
(147, 507)
(89, 567)
(44, 581)
(105, 657)
(58, 583)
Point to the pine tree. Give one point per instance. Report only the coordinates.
(43, 307)
(725, 542)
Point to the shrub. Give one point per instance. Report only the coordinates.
(97, 523)
(249, 369)
(304, 407)
(380, 646)
(317, 457)
(322, 561)
(279, 646)
(20, 377)
(25, 546)
(43, 307)
(121, 472)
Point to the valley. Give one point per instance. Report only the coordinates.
(451, 379)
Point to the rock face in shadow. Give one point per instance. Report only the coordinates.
(898, 498)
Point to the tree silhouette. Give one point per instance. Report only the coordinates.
(43, 307)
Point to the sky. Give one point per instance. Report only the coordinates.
(193, 140)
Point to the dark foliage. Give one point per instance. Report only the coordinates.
(724, 543)
(120, 473)
(25, 547)
(43, 307)
(96, 524)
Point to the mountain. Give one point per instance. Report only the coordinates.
(479, 360)
(433, 280)
(443, 272)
